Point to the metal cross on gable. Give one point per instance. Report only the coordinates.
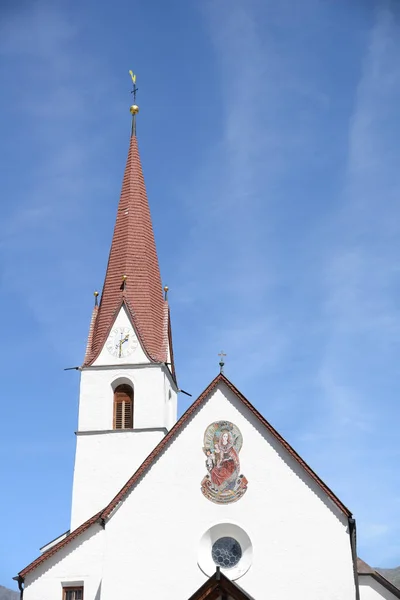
(221, 362)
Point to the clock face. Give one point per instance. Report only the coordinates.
(121, 342)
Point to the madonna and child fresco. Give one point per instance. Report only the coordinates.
(223, 483)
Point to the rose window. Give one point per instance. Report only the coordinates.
(226, 552)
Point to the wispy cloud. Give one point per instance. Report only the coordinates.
(52, 176)
(232, 265)
(294, 241)
(361, 310)
(362, 273)
(48, 74)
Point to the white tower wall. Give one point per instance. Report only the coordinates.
(105, 458)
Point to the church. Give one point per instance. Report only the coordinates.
(215, 505)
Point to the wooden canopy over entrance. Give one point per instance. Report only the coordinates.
(219, 587)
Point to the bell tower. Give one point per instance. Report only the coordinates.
(128, 389)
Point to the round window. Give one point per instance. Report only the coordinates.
(226, 552)
(229, 547)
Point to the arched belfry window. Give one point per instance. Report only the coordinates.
(123, 407)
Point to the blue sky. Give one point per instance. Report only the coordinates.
(269, 141)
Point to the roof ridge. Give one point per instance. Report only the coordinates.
(67, 540)
(93, 318)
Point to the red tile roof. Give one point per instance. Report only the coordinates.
(64, 542)
(90, 336)
(133, 254)
(364, 569)
(158, 450)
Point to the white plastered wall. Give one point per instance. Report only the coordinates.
(151, 385)
(78, 563)
(106, 459)
(149, 547)
(294, 528)
(370, 589)
(103, 464)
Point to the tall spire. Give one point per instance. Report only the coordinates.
(133, 275)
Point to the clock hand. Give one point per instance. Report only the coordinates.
(120, 346)
(122, 341)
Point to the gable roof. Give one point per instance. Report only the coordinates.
(64, 542)
(219, 586)
(133, 256)
(103, 515)
(364, 569)
(182, 421)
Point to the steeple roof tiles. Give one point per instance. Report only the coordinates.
(90, 336)
(133, 255)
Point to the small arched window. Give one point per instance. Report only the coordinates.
(123, 407)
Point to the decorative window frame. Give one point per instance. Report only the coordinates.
(214, 533)
(131, 396)
(72, 585)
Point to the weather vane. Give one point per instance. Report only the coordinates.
(134, 88)
(134, 109)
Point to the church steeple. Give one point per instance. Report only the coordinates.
(128, 380)
(133, 276)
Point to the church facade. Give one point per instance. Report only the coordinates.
(214, 505)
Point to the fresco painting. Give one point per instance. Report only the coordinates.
(223, 483)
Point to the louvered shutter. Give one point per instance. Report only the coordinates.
(119, 415)
(128, 421)
(123, 407)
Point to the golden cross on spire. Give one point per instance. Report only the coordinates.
(134, 109)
